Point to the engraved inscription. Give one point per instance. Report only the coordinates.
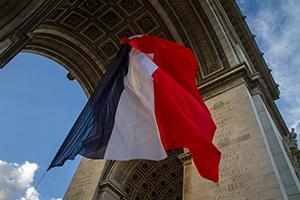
(233, 172)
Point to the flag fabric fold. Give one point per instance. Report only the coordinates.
(146, 104)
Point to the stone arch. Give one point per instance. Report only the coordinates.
(229, 60)
(143, 179)
(84, 36)
(53, 45)
(94, 28)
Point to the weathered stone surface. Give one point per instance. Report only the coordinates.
(84, 36)
(246, 170)
(85, 184)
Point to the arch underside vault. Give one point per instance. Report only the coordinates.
(84, 36)
(143, 179)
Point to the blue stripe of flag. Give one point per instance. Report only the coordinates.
(91, 132)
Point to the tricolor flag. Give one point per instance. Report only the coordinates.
(146, 104)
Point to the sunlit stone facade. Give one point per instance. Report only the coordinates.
(234, 80)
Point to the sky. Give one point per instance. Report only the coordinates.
(38, 104)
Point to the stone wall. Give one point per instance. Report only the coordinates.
(85, 184)
(246, 170)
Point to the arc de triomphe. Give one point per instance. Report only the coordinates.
(233, 78)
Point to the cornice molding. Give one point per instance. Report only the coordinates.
(253, 51)
(254, 82)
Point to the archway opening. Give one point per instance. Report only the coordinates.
(38, 105)
(84, 35)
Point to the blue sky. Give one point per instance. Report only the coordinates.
(38, 104)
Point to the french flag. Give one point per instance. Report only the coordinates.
(146, 104)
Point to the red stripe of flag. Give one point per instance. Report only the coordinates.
(183, 119)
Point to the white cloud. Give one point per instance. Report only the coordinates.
(56, 199)
(277, 27)
(16, 181)
(31, 194)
